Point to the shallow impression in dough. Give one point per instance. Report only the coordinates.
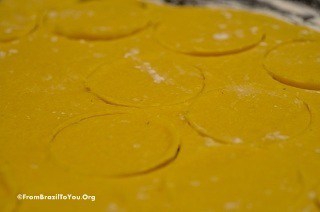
(246, 114)
(42, 88)
(115, 145)
(296, 64)
(97, 20)
(200, 31)
(146, 82)
(15, 24)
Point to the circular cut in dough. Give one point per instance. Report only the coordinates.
(146, 82)
(115, 145)
(206, 32)
(96, 20)
(15, 24)
(296, 64)
(245, 114)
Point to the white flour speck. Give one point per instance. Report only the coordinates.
(2, 54)
(237, 140)
(8, 30)
(244, 91)
(231, 205)
(54, 39)
(298, 102)
(209, 142)
(182, 117)
(131, 53)
(12, 51)
(304, 32)
(112, 207)
(214, 179)
(227, 15)
(102, 28)
(136, 146)
(195, 183)
(47, 77)
(146, 67)
(263, 44)
(221, 36)
(90, 13)
(254, 29)
(52, 14)
(312, 195)
(275, 136)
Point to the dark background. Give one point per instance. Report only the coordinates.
(308, 17)
(312, 3)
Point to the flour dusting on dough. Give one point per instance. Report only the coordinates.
(254, 29)
(10, 52)
(209, 142)
(2, 54)
(54, 39)
(237, 140)
(221, 36)
(195, 183)
(146, 67)
(231, 205)
(131, 53)
(275, 136)
(112, 207)
(244, 90)
(136, 146)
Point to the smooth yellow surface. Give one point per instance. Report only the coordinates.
(249, 114)
(146, 81)
(209, 32)
(296, 64)
(145, 145)
(8, 200)
(154, 114)
(15, 23)
(98, 20)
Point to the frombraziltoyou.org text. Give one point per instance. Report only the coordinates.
(84, 197)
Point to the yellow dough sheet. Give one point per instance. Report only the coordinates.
(153, 107)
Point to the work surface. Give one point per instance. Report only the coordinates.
(157, 107)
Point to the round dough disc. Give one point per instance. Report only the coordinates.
(115, 144)
(146, 82)
(15, 24)
(209, 32)
(96, 20)
(296, 64)
(249, 115)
